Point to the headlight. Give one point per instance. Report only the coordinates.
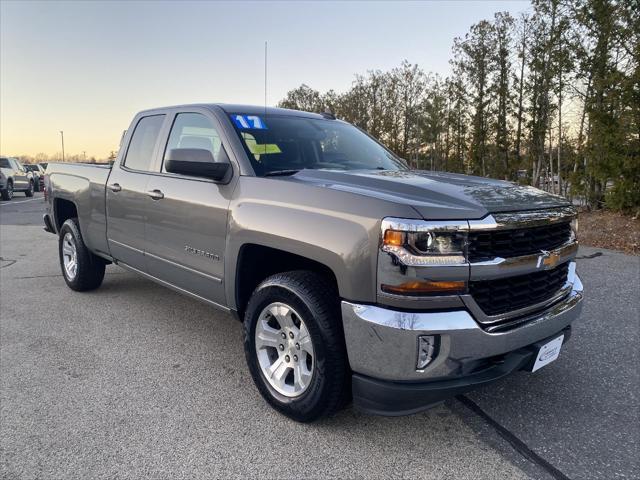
(417, 243)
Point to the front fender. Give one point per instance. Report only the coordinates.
(340, 230)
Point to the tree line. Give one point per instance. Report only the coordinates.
(550, 98)
(68, 158)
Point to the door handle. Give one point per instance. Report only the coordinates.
(114, 187)
(155, 194)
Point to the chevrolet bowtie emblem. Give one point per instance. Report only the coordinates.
(548, 259)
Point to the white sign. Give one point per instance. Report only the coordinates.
(548, 353)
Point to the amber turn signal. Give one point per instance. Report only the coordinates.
(425, 288)
(393, 237)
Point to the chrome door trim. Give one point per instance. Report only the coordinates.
(184, 267)
(120, 244)
(173, 287)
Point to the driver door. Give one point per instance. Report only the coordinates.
(186, 226)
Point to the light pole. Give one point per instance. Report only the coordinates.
(62, 138)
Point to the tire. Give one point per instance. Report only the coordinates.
(313, 302)
(36, 186)
(7, 193)
(29, 191)
(89, 268)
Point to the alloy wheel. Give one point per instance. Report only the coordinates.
(69, 256)
(284, 349)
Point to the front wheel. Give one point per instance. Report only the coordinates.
(29, 191)
(7, 193)
(294, 345)
(81, 269)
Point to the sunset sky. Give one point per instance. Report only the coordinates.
(88, 67)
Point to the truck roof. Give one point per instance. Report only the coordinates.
(248, 109)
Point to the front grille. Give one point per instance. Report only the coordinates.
(485, 245)
(508, 294)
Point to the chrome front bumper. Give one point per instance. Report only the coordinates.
(383, 343)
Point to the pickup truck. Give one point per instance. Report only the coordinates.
(14, 177)
(356, 278)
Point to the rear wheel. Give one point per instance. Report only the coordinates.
(294, 345)
(7, 193)
(81, 269)
(29, 191)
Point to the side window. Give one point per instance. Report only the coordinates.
(193, 130)
(140, 152)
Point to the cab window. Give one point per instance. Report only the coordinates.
(193, 130)
(143, 142)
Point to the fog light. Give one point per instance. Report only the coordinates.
(426, 350)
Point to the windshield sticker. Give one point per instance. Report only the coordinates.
(249, 121)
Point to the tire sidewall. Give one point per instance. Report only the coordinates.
(312, 399)
(30, 190)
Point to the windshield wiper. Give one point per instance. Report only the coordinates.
(278, 173)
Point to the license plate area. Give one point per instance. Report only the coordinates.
(546, 353)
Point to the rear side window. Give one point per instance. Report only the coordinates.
(143, 142)
(4, 163)
(193, 130)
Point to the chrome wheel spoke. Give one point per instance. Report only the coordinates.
(302, 376)
(268, 337)
(66, 248)
(278, 371)
(305, 340)
(282, 315)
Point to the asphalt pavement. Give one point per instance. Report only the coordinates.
(136, 381)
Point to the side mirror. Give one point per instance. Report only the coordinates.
(196, 162)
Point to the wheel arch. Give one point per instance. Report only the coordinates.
(63, 210)
(257, 262)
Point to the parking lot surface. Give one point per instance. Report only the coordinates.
(133, 380)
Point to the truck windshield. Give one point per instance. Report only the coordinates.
(286, 144)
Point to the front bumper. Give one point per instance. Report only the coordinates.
(382, 346)
(383, 397)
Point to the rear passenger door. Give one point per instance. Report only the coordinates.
(187, 222)
(127, 195)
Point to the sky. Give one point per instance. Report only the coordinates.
(86, 67)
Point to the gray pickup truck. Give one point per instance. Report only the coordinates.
(355, 277)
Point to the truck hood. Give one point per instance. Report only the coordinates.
(435, 195)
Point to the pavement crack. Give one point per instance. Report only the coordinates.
(8, 264)
(514, 441)
(593, 255)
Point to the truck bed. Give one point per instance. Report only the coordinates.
(84, 185)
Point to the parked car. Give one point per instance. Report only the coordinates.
(38, 175)
(353, 275)
(15, 178)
